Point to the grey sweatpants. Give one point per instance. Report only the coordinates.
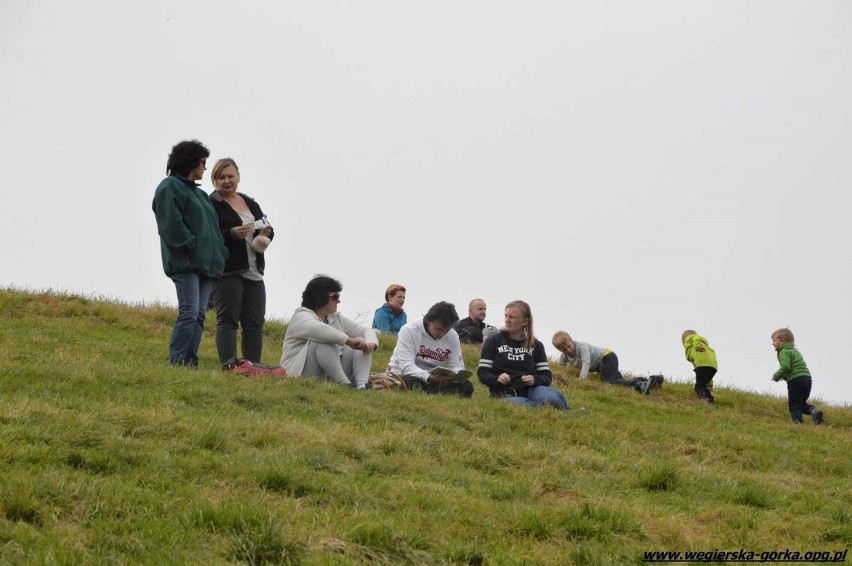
(326, 361)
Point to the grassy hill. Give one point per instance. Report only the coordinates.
(107, 456)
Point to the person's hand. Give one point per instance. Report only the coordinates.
(242, 232)
(361, 344)
(266, 231)
(527, 379)
(503, 379)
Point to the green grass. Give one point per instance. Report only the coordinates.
(107, 456)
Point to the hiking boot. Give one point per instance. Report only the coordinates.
(656, 381)
(642, 385)
(816, 415)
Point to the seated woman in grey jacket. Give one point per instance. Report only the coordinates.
(323, 343)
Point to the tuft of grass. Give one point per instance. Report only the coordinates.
(661, 477)
(253, 538)
(20, 506)
(593, 522)
(839, 526)
(293, 484)
(753, 496)
(214, 439)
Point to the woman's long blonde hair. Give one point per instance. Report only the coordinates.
(526, 312)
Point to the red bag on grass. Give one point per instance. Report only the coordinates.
(242, 366)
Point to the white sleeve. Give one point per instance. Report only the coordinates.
(355, 330)
(585, 356)
(306, 327)
(456, 362)
(404, 354)
(369, 335)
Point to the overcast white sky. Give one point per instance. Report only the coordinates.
(631, 169)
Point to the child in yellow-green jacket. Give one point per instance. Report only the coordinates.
(703, 359)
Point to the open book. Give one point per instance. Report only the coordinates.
(446, 374)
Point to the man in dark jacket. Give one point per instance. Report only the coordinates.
(470, 328)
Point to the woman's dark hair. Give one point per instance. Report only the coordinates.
(317, 290)
(443, 312)
(185, 157)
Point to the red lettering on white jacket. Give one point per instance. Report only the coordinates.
(440, 354)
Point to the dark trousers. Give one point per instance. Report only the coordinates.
(462, 389)
(798, 392)
(242, 302)
(703, 375)
(609, 371)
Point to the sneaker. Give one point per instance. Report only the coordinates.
(643, 386)
(656, 381)
(816, 415)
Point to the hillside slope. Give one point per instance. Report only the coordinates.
(107, 456)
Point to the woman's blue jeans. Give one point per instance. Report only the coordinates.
(193, 293)
(540, 395)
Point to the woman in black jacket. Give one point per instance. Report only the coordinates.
(240, 295)
(513, 363)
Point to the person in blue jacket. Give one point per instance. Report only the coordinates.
(390, 318)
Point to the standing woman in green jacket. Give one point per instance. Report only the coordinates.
(191, 245)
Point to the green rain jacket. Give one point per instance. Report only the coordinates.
(699, 352)
(792, 363)
(190, 240)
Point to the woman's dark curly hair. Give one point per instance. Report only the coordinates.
(185, 157)
(317, 291)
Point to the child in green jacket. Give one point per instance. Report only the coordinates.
(703, 359)
(795, 372)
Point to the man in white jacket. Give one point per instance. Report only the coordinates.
(427, 343)
(323, 343)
